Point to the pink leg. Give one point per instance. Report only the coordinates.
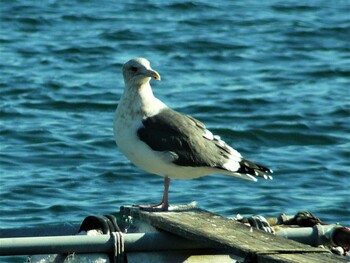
(162, 206)
(165, 200)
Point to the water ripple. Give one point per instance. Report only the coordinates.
(271, 78)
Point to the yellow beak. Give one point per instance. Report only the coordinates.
(153, 74)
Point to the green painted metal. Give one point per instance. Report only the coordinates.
(93, 244)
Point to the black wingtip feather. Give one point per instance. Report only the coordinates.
(248, 167)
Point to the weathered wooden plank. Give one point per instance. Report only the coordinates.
(188, 256)
(243, 241)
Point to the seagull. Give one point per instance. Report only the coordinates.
(168, 143)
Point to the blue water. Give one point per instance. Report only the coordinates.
(270, 77)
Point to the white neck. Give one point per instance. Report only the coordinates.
(139, 100)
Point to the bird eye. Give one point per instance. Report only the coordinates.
(133, 69)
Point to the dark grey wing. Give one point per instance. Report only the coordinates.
(172, 131)
(193, 144)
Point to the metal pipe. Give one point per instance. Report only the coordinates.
(304, 235)
(93, 244)
(333, 235)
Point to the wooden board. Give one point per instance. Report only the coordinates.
(252, 244)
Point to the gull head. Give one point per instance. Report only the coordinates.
(138, 71)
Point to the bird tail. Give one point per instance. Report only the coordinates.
(254, 170)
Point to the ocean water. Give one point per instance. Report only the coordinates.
(272, 78)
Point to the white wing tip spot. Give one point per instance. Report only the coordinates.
(208, 135)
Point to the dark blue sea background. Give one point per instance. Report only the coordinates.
(272, 78)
